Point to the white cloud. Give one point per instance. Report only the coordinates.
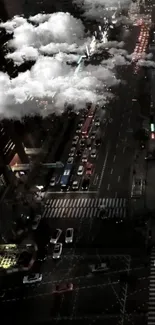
(25, 53)
(59, 28)
(51, 79)
(146, 63)
(39, 18)
(11, 25)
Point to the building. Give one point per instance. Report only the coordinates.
(16, 258)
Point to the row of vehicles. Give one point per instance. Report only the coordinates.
(64, 287)
(84, 147)
(69, 234)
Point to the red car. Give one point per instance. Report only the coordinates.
(89, 169)
(63, 287)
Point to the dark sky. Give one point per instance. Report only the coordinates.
(29, 7)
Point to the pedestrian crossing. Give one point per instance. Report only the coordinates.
(151, 305)
(85, 208)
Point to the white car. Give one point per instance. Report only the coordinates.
(75, 185)
(53, 182)
(80, 170)
(36, 221)
(33, 278)
(93, 153)
(56, 235)
(57, 250)
(70, 160)
(69, 235)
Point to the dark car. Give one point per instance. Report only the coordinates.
(98, 142)
(85, 184)
(79, 153)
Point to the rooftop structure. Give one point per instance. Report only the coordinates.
(15, 258)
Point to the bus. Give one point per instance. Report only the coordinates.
(92, 110)
(86, 127)
(66, 176)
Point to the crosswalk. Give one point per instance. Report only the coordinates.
(85, 208)
(151, 305)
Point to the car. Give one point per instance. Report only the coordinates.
(55, 236)
(70, 160)
(32, 278)
(93, 134)
(72, 152)
(81, 122)
(75, 140)
(78, 130)
(93, 153)
(36, 222)
(82, 142)
(89, 169)
(85, 184)
(63, 287)
(75, 185)
(57, 251)
(69, 235)
(80, 170)
(88, 144)
(97, 121)
(85, 155)
(98, 142)
(101, 267)
(78, 153)
(53, 181)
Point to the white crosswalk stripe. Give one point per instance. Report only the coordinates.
(151, 305)
(85, 208)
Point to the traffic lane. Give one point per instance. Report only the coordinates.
(120, 178)
(108, 168)
(97, 299)
(82, 276)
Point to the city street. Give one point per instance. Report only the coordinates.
(99, 213)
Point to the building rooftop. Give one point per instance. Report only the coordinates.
(14, 258)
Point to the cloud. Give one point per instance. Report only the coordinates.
(56, 40)
(54, 81)
(25, 53)
(146, 63)
(59, 28)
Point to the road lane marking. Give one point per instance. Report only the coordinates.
(119, 177)
(129, 119)
(121, 124)
(124, 149)
(125, 139)
(95, 179)
(103, 168)
(117, 145)
(114, 158)
(111, 171)
(119, 133)
(108, 187)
